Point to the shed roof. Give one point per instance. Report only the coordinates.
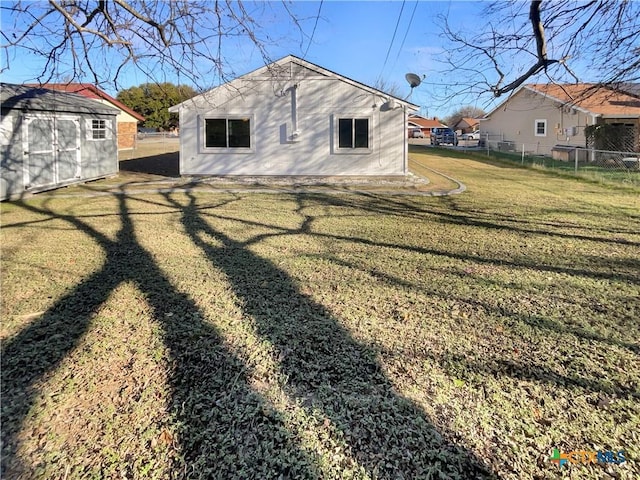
(91, 91)
(22, 97)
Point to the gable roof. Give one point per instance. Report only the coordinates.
(22, 97)
(271, 71)
(424, 122)
(469, 121)
(88, 90)
(586, 97)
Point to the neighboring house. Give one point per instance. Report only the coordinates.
(127, 118)
(466, 125)
(292, 117)
(424, 124)
(543, 116)
(50, 139)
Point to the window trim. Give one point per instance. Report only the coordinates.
(203, 133)
(91, 130)
(536, 122)
(335, 131)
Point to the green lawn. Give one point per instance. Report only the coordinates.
(313, 335)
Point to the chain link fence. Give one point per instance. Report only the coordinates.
(149, 144)
(604, 165)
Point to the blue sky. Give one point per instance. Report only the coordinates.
(353, 39)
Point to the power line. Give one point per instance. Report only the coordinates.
(393, 38)
(314, 30)
(406, 33)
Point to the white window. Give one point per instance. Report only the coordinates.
(98, 129)
(227, 133)
(540, 128)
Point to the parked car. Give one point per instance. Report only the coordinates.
(417, 133)
(442, 136)
(470, 136)
(143, 132)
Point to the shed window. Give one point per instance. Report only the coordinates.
(353, 133)
(98, 129)
(540, 128)
(227, 133)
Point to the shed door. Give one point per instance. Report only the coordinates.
(67, 139)
(52, 150)
(39, 152)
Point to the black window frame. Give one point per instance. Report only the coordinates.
(350, 133)
(228, 140)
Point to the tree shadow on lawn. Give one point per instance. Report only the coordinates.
(327, 370)
(225, 429)
(163, 164)
(256, 274)
(395, 206)
(601, 266)
(535, 321)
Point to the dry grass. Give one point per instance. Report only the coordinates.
(215, 335)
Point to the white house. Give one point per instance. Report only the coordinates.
(292, 117)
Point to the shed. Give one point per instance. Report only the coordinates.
(127, 119)
(49, 139)
(292, 117)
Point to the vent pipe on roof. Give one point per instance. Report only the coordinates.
(294, 112)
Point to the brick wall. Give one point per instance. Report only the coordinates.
(127, 133)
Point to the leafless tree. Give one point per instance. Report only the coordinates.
(99, 39)
(549, 40)
(389, 87)
(467, 111)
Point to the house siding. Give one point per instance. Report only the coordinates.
(320, 100)
(515, 122)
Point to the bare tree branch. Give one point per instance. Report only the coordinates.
(182, 39)
(567, 41)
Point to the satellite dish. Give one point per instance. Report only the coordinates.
(413, 79)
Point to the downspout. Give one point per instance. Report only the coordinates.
(181, 155)
(405, 163)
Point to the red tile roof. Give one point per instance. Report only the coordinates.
(425, 122)
(91, 91)
(472, 122)
(591, 97)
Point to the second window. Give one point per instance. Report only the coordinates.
(353, 133)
